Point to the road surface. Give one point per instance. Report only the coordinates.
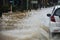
(32, 27)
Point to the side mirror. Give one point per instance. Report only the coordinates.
(48, 15)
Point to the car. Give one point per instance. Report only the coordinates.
(54, 23)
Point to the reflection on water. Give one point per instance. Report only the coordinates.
(28, 28)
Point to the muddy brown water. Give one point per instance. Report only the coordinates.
(14, 28)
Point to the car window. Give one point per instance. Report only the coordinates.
(57, 12)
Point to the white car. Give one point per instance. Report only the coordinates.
(54, 21)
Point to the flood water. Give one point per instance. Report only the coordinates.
(26, 28)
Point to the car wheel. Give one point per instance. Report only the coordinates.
(53, 34)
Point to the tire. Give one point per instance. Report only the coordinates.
(53, 34)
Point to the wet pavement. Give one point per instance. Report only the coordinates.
(56, 37)
(25, 26)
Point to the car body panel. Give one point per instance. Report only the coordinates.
(54, 26)
(53, 29)
(57, 19)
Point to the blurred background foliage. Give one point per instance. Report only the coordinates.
(21, 5)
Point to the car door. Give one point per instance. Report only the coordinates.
(57, 17)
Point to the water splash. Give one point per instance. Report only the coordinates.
(29, 28)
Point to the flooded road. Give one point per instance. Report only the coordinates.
(56, 37)
(29, 27)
